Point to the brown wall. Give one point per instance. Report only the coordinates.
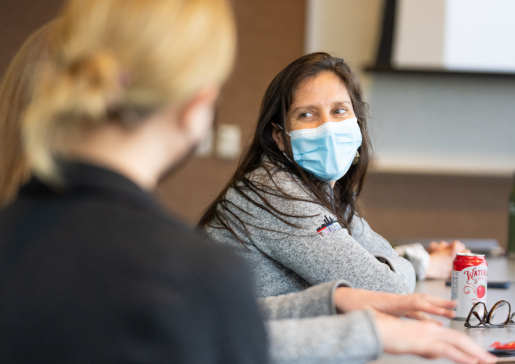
(18, 19)
(271, 35)
(407, 206)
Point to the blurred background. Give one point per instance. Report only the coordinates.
(443, 127)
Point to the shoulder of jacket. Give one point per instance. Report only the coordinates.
(275, 178)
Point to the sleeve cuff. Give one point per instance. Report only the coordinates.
(348, 338)
(418, 257)
(336, 284)
(385, 260)
(314, 301)
(372, 321)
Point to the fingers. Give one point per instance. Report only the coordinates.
(436, 247)
(431, 304)
(453, 345)
(435, 300)
(458, 247)
(433, 246)
(444, 349)
(467, 345)
(421, 316)
(457, 244)
(429, 340)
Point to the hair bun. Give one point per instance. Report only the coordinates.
(102, 46)
(98, 78)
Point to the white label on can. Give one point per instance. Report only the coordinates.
(469, 287)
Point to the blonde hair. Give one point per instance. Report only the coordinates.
(15, 94)
(123, 60)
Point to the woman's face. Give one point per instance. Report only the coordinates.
(319, 100)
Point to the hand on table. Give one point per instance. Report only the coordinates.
(415, 306)
(441, 256)
(428, 340)
(453, 248)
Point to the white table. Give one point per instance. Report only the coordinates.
(499, 269)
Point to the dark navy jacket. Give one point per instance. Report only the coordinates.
(97, 272)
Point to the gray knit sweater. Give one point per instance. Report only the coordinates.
(303, 328)
(287, 259)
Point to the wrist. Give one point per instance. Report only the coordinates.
(341, 297)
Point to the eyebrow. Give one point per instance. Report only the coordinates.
(314, 106)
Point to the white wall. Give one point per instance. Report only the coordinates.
(479, 35)
(345, 28)
(463, 35)
(419, 34)
(438, 124)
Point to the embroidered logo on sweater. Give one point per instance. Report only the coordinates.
(328, 227)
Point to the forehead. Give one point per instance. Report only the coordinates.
(326, 86)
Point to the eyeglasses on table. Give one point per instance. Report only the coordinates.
(499, 316)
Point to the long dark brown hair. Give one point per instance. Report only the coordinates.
(274, 108)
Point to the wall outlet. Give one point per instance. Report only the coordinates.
(205, 147)
(228, 141)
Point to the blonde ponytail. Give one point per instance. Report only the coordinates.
(122, 60)
(16, 92)
(79, 95)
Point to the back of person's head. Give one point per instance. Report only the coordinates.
(121, 61)
(15, 94)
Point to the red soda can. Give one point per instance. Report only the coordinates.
(469, 277)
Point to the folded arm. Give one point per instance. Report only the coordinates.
(292, 239)
(350, 338)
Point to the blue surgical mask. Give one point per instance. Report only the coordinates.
(327, 151)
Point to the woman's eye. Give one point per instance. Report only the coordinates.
(340, 111)
(305, 115)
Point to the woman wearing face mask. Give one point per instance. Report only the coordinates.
(290, 207)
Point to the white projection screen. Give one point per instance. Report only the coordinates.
(455, 35)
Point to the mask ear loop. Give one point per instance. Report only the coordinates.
(280, 127)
